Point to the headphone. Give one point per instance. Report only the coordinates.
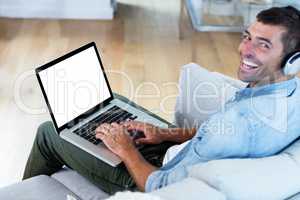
(292, 64)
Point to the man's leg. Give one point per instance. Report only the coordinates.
(49, 153)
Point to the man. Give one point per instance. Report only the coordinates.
(264, 46)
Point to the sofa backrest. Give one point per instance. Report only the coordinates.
(201, 94)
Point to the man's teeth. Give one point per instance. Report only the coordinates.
(250, 64)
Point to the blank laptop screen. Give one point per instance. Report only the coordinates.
(74, 85)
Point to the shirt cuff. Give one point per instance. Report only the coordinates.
(153, 182)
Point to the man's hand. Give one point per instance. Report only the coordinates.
(116, 138)
(153, 134)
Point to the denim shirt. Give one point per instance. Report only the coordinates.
(256, 122)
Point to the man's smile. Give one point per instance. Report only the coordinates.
(248, 66)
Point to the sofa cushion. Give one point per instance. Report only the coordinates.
(128, 195)
(76, 183)
(189, 188)
(37, 188)
(275, 177)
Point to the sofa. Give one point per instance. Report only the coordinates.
(201, 93)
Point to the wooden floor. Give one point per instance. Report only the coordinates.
(141, 53)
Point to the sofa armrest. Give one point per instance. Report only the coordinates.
(79, 185)
(231, 81)
(36, 188)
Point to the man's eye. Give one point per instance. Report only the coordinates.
(264, 45)
(246, 37)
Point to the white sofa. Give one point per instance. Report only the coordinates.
(272, 178)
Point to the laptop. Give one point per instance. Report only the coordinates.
(79, 98)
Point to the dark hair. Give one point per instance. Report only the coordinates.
(287, 17)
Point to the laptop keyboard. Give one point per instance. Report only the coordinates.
(114, 114)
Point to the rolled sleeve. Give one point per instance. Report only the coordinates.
(152, 183)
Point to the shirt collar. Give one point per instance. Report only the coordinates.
(284, 88)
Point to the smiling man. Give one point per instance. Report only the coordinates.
(264, 48)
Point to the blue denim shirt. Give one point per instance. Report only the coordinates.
(257, 122)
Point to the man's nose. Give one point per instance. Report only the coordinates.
(247, 48)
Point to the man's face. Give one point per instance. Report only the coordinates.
(261, 52)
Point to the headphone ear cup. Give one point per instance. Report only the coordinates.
(292, 65)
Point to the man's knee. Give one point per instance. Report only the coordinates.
(45, 132)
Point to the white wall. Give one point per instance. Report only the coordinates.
(76, 9)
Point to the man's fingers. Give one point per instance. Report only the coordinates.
(141, 141)
(135, 125)
(100, 135)
(104, 128)
(105, 125)
(115, 125)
